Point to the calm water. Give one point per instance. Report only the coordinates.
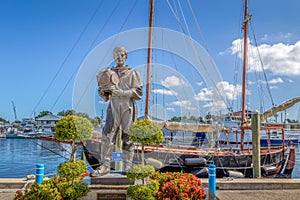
(20, 156)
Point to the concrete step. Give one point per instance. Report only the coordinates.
(12, 183)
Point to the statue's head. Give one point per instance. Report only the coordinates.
(120, 55)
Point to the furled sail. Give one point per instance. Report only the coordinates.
(285, 105)
(192, 127)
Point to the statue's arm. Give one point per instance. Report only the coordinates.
(137, 86)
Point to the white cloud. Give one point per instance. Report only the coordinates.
(165, 92)
(227, 90)
(272, 81)
(172, 81)
(276, 80)
(200, 83)
(184, 104)
(204, 95)
(170, 109)
(285, 35)
(273, 87)
(215, 106)
(277, 37)
(266, 37)
(289, 80)
(280, 59)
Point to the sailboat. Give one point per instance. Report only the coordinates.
(229, 161)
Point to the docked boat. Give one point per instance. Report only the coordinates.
(274, 137)
(230, 161)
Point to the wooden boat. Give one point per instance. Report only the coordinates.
(237, 162)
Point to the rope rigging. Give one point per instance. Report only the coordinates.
(217, 89)
(262, 65)
(67, 57)
(94, 41)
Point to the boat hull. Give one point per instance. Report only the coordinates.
(278, 142)
(196, 160)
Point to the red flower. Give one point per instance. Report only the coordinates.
(85, 174)
(18, 192)
(179, 186)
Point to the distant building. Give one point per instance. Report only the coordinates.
(47, 123)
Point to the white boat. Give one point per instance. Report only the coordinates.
(275, 137)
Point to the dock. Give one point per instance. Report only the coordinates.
(227, 188)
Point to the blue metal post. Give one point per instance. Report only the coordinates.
(39, 173)
(212, 180)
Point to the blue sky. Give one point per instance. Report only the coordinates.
(44, 44)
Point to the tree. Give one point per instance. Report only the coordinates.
(66, 113)
(174, 118)
(44, 113)
(146, 132)
(200, 119)
(3, 120)
(73, 128)
(17, 122)
(96, 121)
(193, 118)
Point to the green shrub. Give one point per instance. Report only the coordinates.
(146, 132)
(56, 188)
(72, 170)
(143, 192)
(69, 183)
(45, 191)
(140, 171)
(73, 127)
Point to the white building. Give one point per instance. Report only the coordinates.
(47, 123)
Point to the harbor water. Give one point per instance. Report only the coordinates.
(19, 157)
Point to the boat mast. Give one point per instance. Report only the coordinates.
(149, 57)
(15, 112)
(245, 28)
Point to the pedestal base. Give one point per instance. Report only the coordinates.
(114, 178)
(111, 186)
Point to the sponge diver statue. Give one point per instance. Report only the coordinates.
(121, 86)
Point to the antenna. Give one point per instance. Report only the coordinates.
(14, 108)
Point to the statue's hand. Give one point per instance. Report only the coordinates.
(121, 93)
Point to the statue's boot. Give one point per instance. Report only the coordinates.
(128, 155)
(102, 170)
(105, 167)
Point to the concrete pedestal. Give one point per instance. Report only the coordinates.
(114, 178)
(112, 186)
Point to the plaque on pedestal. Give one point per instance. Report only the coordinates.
(111, 195)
